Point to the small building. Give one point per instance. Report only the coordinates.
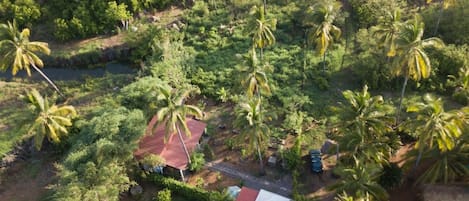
(248, 194)
(172, 151)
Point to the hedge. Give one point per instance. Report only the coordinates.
(182, 189)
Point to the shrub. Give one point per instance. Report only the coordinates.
(208, 152)
(182, 189)
(163, 195)
(142, 94)
(367, 12)
(453, 22)
(153, 160)
(197, 161)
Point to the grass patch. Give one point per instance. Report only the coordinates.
(15, 117)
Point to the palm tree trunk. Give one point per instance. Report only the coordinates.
(183, 145)
(261, 163)
(440, 15)
(400, 101)
(346, 44)
(419, 157)
(265, 7)
(48, 80)
(305, 35)
(324, 61)
(262, 54)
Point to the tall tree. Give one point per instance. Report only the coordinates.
(173, 114)
(254, 76)
(412, 61)
(443, 5)
(433, 126)
(324, 14)
(261, 30)
(444, 166)
(253, 131)
(365, 127)
(51, 120)
(360, 182)
(19, 53)
(387, 31)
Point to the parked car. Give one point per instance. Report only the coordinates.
(316, 161)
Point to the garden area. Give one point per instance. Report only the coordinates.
(380, 88)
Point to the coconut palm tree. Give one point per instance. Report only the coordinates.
(365, 127)
(254, 76)
(173, 114)
(51, 120)
(262, 30)
(412, 61)
(444, 4)
(360, 182)
(444, 166)
(433, 125)
(19, 53)
(254, 133)
(324, 14)
(387, 31)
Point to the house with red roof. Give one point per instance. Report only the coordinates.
(172, 151)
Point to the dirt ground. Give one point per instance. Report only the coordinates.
(27, 180)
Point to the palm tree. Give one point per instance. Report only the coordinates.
(324, 14)
(443, 5)
(253, 131)
(360, 182)
(262, 30)
(365, 127)
(433, 125)
(18, 52)
(412, 61)
(173, 114)
(444, 166)
(387, 31)
(254, 77)
(51, 120)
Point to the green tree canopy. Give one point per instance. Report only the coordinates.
(52, 121)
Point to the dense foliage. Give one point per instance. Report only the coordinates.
(95, 167)
(290, 67)
(187, 191)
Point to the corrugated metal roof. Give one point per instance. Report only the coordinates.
(172, 151)
(247, 194)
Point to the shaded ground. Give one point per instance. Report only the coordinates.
(282, 186)
(28, 180)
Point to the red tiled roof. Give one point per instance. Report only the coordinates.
(172, 151)
(247, 194)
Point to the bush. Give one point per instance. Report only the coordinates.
(292, 159)
(182, 189)
(163, 195)
(391, 177)
(197, 161)
(367, 12)
(445, 61)
(453, 24)
(142, 94)
(153, 160)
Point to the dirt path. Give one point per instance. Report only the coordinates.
(279, 187)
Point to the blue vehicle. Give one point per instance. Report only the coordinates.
(316, 161)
